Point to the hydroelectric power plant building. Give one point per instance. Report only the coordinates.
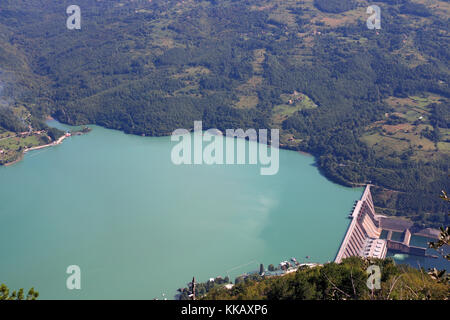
(363, 237)
(363, 234)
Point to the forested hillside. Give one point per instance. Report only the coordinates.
(344, 281)
(371, 105)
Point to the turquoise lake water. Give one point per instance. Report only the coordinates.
(139, 226)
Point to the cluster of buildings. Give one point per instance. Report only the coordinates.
(296, 97)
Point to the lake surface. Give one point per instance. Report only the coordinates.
(139, 226)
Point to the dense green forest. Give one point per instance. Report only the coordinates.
(378, 100)
(344, 281)
(9, 121)
(335, 6)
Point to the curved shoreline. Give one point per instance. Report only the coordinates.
(20, 158)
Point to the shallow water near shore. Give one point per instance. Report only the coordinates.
(139, 226)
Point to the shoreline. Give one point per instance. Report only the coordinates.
(340, 182)
(304, 153)
(20, 158)
(343, 183)
(51, 144)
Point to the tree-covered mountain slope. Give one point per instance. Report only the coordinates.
(372, 105)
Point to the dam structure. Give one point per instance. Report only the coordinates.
(363, 237)
(363, 234)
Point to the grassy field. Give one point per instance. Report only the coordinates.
(406, 136)
(6, 134)
(444, 147)
(246, 102)
(247, 93)
(11, 148)
(12, 144)
(412, 108)
(292, 103)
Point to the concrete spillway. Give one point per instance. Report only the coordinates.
(363, 234)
